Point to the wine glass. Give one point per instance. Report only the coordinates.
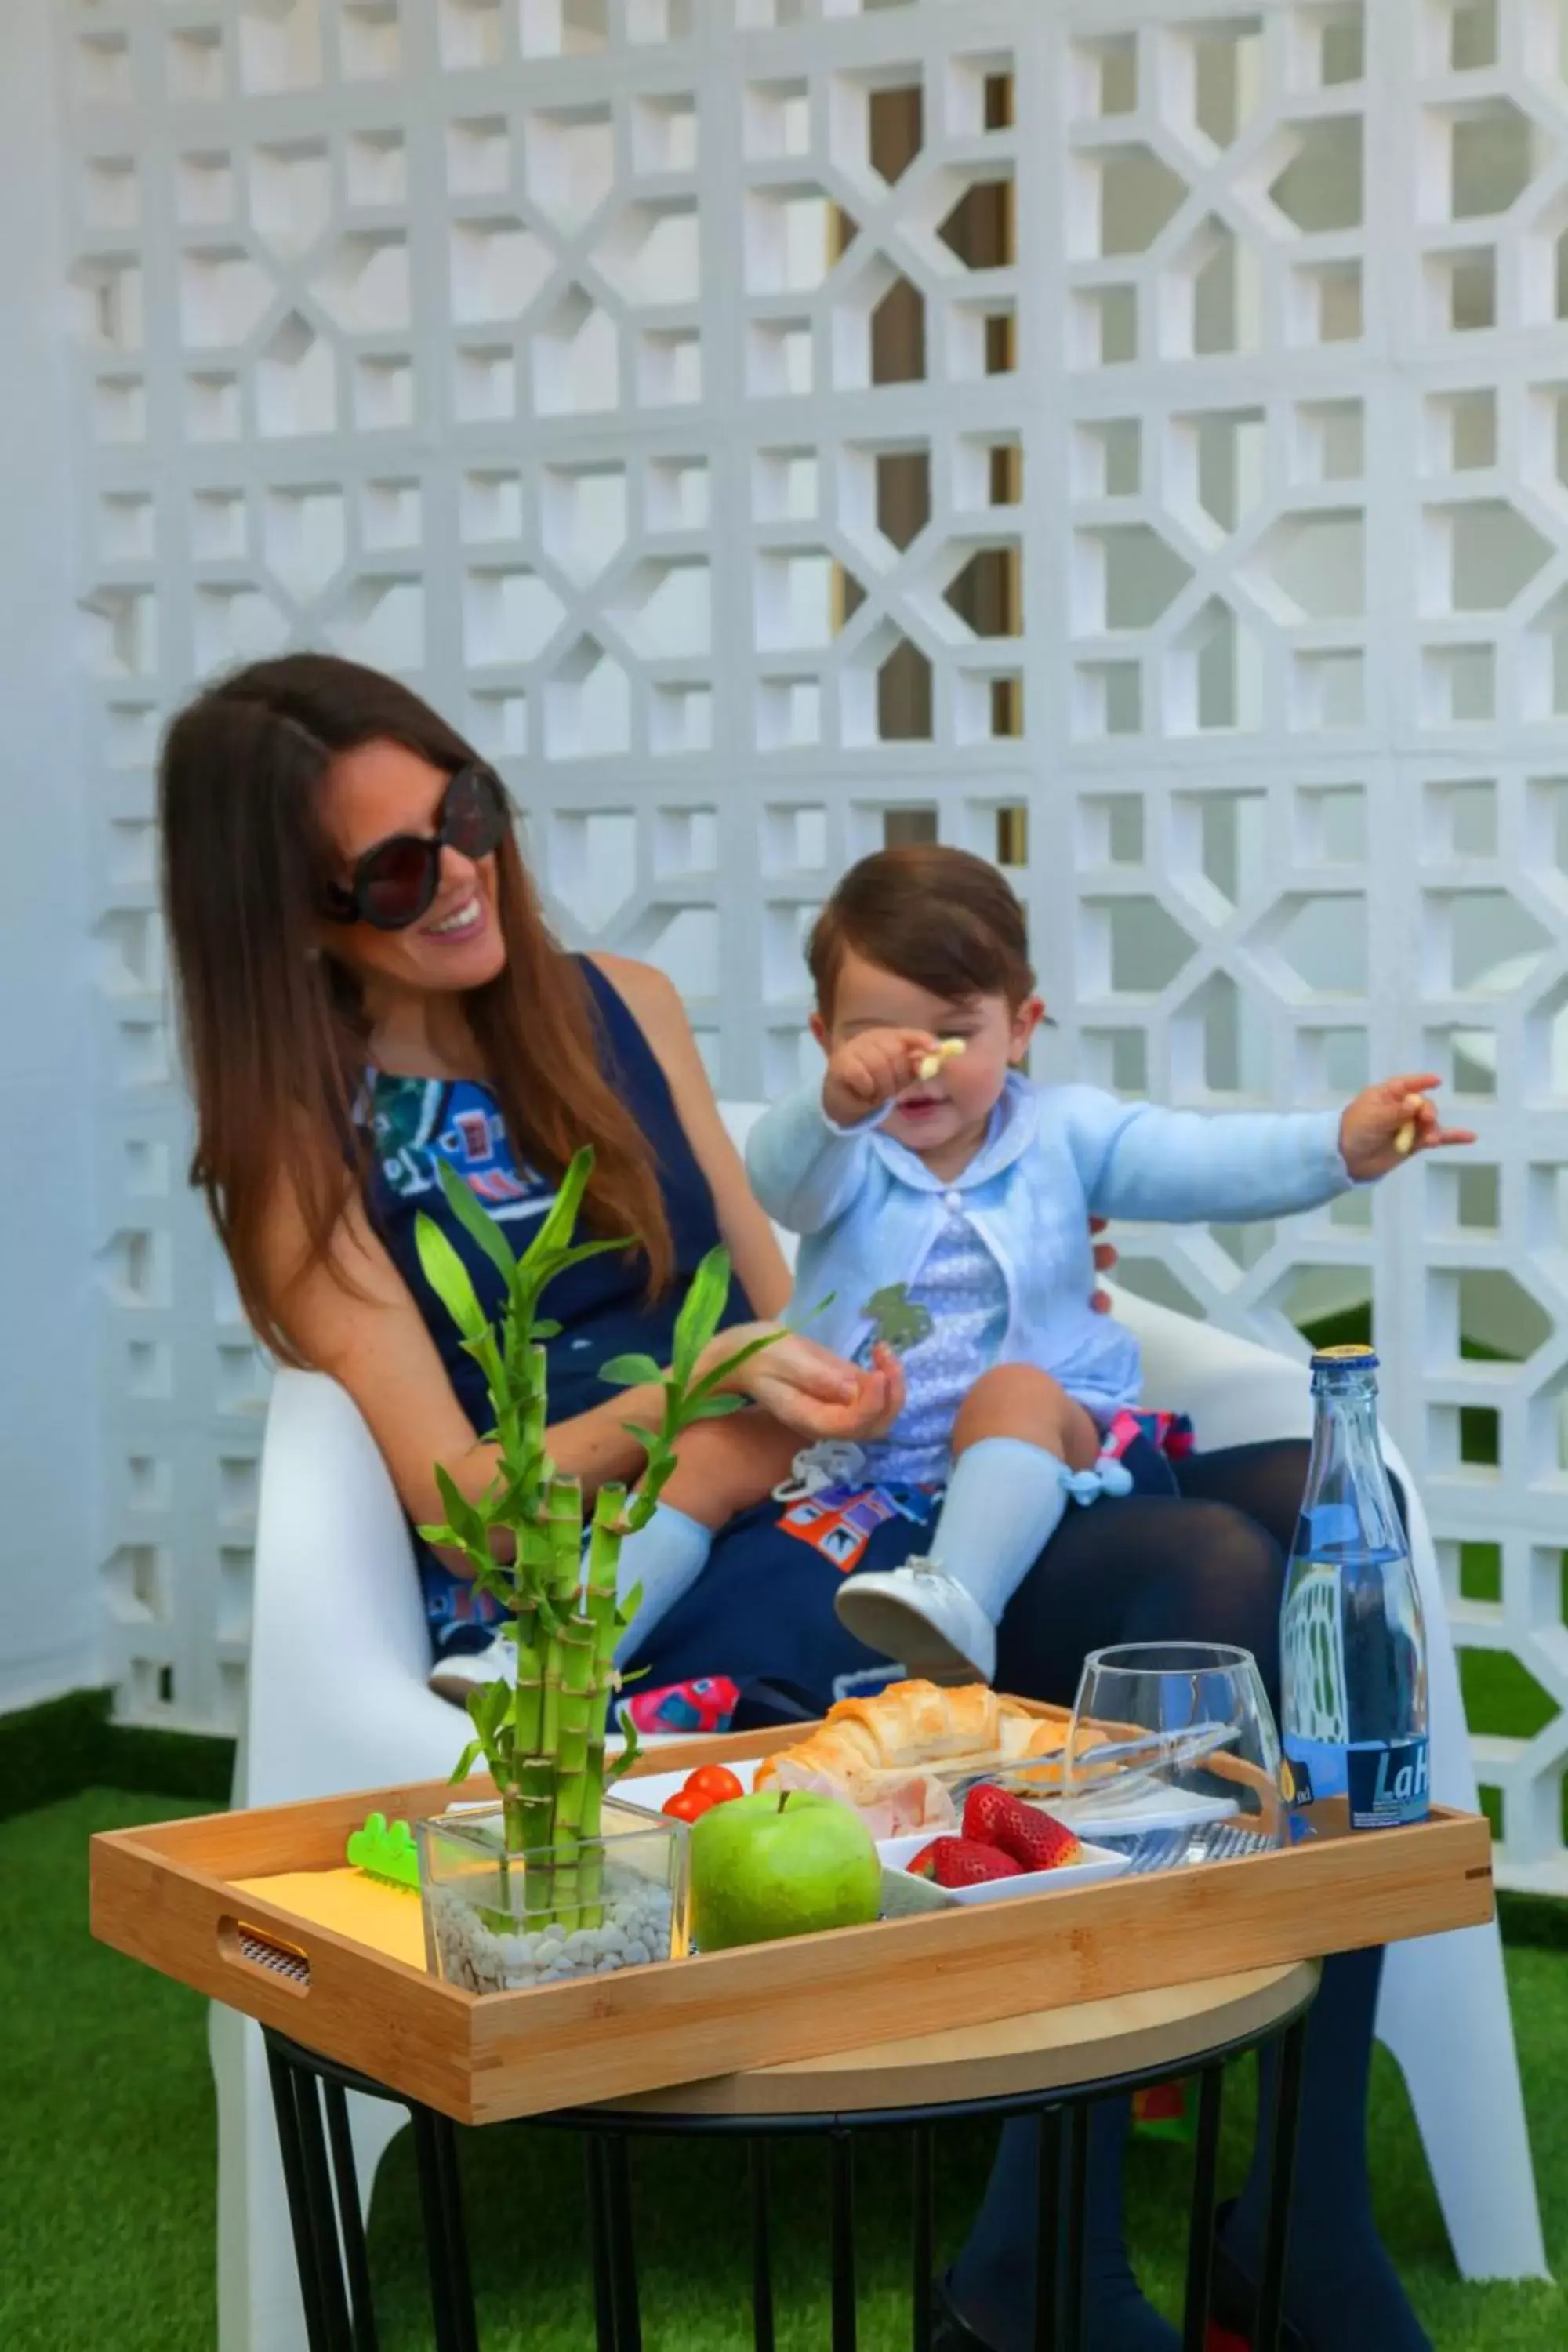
(1174, 1741)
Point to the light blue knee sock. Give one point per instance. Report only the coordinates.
(665, 1557)
(1005, 1501)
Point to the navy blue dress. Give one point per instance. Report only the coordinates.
(602, 1306)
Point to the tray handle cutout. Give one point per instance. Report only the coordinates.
(245, 1945)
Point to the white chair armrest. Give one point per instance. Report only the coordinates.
(340, 1649)
(1237, 1393)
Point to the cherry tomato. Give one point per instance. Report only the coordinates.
(715, 1783)
(686, 1805)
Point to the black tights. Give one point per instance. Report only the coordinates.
(1205, 1565)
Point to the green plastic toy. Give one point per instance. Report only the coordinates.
(386, 1849)
(898, 1321)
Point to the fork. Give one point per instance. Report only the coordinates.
(1181, 1849)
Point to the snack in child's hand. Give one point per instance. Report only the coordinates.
(1034, 1842)
(963, 1862)
(1404, 1142)
(948, 1050)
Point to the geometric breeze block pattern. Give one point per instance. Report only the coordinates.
(1132, 442)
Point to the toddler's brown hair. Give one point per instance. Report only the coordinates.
(938, 917)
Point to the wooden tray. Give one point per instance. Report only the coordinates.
(166, 1896)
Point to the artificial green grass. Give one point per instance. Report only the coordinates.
(106, 2174)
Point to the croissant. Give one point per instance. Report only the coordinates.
(915, 1722)
(912, 1724)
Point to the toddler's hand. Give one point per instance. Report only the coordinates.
(1392, 1122)
(868, 1071)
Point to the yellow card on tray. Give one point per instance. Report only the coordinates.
(387, 1918)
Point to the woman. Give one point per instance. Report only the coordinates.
(368, 987)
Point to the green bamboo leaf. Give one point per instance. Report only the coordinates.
(622, 1764)
(732, 1364)
(471, 1524)
(546, 1331)
(521, 1497)
(490, 1706)
(581, 1251)
(700, 1312)
(487, 1355)
(476, 1220)
(468, 1759)
(631, 1372)
(648, 1438)
(449, 1278)
(713, 1408)
(556, 1227)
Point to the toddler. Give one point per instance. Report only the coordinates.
(943, 1206)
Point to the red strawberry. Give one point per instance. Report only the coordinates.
(985, 1812)
(924, 1862)
(1031, 1837)
(960, 1862)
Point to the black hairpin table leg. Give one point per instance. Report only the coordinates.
(920, 2237)
(311, 2214)
(1200, 2228)
(1281, 2174)
(842, 2240)
(350, 2221)
(599, 2243)
(451, 2287)
(761, 2250)
(623, 2246)
(1047, 2227)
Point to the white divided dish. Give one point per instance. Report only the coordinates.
(1098, 1862)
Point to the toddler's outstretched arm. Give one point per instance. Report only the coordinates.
(1144, 1163)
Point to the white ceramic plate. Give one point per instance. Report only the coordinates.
(1168, 1808)
(1098, 1862)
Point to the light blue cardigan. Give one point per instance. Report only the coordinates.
(867, 1209)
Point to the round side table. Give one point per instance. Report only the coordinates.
(1051, 2064)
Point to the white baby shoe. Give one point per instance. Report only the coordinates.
(923, 1616)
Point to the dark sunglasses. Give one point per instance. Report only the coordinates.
(393, 884)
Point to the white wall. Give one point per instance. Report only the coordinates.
(514, 344)
(51, 1426)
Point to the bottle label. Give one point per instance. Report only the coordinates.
(1312, 1665)
(1388, 1786)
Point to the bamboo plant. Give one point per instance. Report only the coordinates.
(543, 1735)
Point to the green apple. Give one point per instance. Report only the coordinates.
(780, 1865)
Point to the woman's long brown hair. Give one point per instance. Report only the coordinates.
(275, 1035)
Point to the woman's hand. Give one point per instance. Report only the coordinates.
(809, 1388)
(795, 1390)
(1373, 1132)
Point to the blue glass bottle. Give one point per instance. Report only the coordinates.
(1352, 1665)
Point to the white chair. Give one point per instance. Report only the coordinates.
(334, 1579)
(336, 1700)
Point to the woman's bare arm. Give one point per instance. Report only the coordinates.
(748, 1236)
(369, 1335)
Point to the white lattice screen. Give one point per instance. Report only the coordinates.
(1133, 442)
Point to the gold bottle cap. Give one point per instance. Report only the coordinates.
(1356, 1352)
